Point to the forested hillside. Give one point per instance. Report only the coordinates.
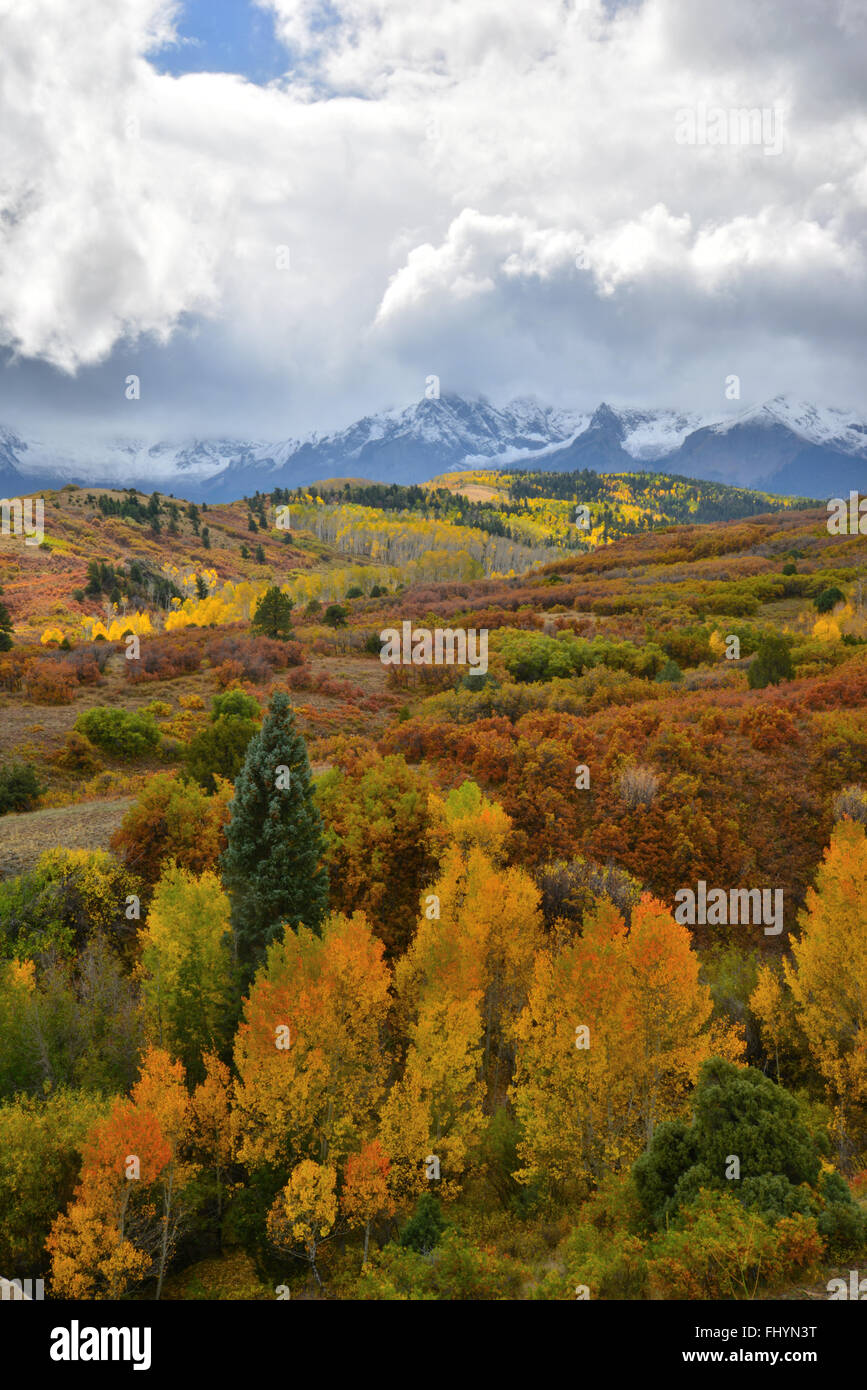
(535, 977)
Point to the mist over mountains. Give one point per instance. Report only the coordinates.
(782, 446)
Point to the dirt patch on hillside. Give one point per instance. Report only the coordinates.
(25, 836)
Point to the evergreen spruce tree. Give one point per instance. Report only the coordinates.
(771, 664)
(5, 628)
(273, 615)
(272, 866)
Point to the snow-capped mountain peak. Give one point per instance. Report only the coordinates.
(782, 444)
(844, 429)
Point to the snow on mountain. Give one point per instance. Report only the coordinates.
(131, 462)
(783, 444)
(841, 429)
(652, 434)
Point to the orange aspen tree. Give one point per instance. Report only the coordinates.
(366, 1196)
(123, 1220)
(211, 1123)
(310, 1050)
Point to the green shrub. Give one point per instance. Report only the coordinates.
(736, 1111)
(719, 1249)
(771, 664)
(218, 751)
(235, 704)
(670, 673)
(19, 787)
(610, 1264)
(828, 599)
(454, 1271)
(425, 1227)
(119, 731)
(841, 1222)
(335, 615)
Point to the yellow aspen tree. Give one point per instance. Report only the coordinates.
(305, 1212)
(773, 1005)
(828, 976)
(484, 939)
(610, 1044)
(672, 1014)
(309, 1051)
(432, 1117)
(575, 1091)
(186, 966)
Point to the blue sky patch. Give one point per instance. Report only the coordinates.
(224, 36)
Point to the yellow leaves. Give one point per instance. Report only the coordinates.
(311, 1097)
(306, 1210)
(459, 987)
(827, 974)
(230, 603)
(51, 634)
(827, 629)
(588, 1101)
(22, 975)
(717, 644)
(481, 945)
(89, 1256)
(186, 966)
(136, 622)
(436, 1107)
(467, 818)
(101, 882)
(773, 1007)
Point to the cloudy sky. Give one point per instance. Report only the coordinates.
(283, 214)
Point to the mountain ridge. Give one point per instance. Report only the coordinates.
(781, 446)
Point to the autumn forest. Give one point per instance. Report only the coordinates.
(329, 978)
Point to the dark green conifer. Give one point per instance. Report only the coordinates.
(272, 866)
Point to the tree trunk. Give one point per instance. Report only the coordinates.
(164, 1243)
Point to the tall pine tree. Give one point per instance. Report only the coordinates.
(273, 866)
(5, 628)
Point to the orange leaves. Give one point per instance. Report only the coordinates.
(160, 1092)
(366, 1195)
(120, 1224)
(172, 819)
(127, 1133)
(768, 726)
(210, 1112)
